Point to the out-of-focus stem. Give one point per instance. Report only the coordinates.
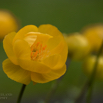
(52, 92)
(55, 86)
(92, 78)
(89, 84)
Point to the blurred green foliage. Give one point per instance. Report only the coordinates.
(68, 16)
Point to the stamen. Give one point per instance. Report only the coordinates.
(44, 47)
(32, 46)
(35, 54)
(38, 51)
(37, 44)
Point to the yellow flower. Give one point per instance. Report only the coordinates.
(8, 23)
(94, 35)
(35, 54)
(88, 66)
(78, 46)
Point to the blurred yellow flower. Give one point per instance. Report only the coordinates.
(35, 54)
(8, 23)
(94, 35)
(88, 66)
(78, 46)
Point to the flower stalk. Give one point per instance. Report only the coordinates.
(89, 84)
(92, 78)
(21, 93)
(55, 85)
(53, 90)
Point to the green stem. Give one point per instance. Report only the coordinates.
(21, 93)
(82, 93)
(89, 84)
(92, 78)
(55, 86)
(52, 92)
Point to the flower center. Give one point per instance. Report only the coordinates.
(37, 42)
(38, 51)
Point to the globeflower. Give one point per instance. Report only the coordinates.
(94, 35)
(35, 54)
(78, 46)
(8, 23)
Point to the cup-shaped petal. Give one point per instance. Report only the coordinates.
(16, 73)
(43, 78)
(8, 47)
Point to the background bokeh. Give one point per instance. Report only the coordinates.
(68, 16)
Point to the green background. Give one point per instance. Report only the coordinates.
(68, 16)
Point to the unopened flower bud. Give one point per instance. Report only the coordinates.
(94, 35)
(8, 23)
(78, 46)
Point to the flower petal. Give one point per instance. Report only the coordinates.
(50, 29)
(62, 50)
(53, 42)
(58, 56)
(22, 32)
(43, 78)
(16, 73)
(34, 66)
(8, 47)
(53, 31)
(51, 61)
(22, 49)
(32, 37)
